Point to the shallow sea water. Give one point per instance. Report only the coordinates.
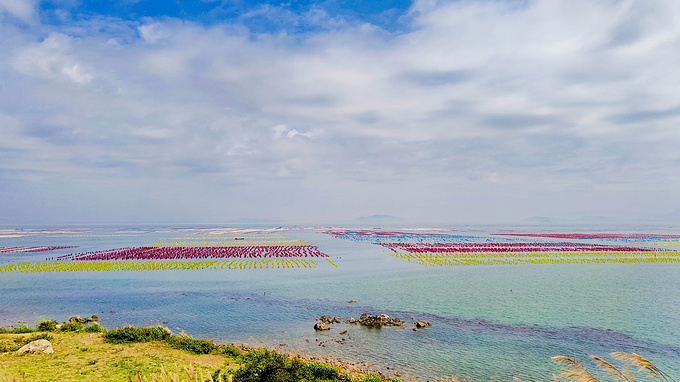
(489, 322)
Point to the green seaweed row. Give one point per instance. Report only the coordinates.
(121, 265)
(440, 259)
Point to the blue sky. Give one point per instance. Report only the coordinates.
(440, 112)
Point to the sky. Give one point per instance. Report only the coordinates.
(433, 112)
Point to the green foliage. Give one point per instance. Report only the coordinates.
(70, 327)
(22, 329)
(372, 378)
(186, 343)
(230, 350)
(3, 331)
(264, 365)
(94, 328)
(6, 346)
(47, 326)
(131, 334)
(319, 371)
(39, 336)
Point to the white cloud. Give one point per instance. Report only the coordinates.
(485, 101)
(50, 59)
(24, 10)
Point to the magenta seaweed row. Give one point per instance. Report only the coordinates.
(32, 249)
(592, 235)
(507, 247)
(167, 253)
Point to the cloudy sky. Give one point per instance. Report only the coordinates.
(456, 112)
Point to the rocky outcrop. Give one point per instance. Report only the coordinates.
(37, 347)
(83, 320)
(375, 321)
(330, 320)
(379, 320)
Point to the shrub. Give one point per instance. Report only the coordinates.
(323, 372)
(372, 378)
(22, 329)
(230, 350)
(6, 347)
(131, 334)
(264, 365)
(186, 343)
(70, 326)
(94, 328)
(47, 326)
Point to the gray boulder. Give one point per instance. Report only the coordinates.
(38, 347)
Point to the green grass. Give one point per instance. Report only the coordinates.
(132, 353)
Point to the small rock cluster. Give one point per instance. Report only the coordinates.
(83, 320)
(375, 321)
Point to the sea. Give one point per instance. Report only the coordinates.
(489, 322)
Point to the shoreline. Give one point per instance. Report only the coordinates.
(88, 330)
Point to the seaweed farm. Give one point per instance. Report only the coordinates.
(184, 255)
(501, 301)
(102, 266)
(525, 253)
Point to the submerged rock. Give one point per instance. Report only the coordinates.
(38, 347)
(322, 326)
(422, 324)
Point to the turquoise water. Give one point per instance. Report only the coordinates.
(489, 322)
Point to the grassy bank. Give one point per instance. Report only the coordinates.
(154, 354)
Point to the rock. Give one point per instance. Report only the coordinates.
(282, 344)
(325, 319)
(343, 332)
(337, 320)
(379, 320)
(353, 320)
(37, 346)
(83, 320)
(351, 302)
(422, 324)
(322, 326)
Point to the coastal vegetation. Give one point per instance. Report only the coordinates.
(155, 354)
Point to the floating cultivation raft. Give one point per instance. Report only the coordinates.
(525, 253)
(397, 236)
(103, 266)
(197, 252)
(198, 256)
(31, 249)
(614, 236)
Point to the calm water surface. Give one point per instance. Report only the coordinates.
(489, 322)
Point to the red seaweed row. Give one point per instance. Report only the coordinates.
(167, 253)
(507, 247)
(592, 235)
(32, 249)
